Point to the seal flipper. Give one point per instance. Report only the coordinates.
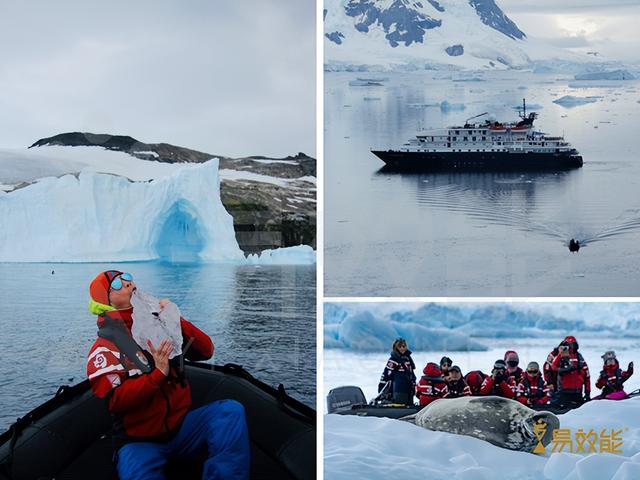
(409, 418)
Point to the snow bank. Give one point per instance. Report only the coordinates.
(380, 448)
(298, 255)
(99, 217)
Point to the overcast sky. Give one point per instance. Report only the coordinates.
(226, 77)
(609, 27)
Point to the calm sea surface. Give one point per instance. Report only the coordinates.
(480, 234)
(261, 317)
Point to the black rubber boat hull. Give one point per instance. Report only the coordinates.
(67, 437)
(379, 411)
(476, 161)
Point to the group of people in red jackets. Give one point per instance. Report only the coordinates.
(563, 382)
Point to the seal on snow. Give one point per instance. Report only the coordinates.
(500, 421)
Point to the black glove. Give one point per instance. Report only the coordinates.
(587, 396)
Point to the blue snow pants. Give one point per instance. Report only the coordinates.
(219, 428)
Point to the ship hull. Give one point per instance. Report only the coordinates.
(477, 161)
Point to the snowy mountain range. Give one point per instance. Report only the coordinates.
(409, 34)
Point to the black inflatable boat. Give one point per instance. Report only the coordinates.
(68, 436)
(350, 400)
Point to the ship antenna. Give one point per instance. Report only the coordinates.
(524, 109)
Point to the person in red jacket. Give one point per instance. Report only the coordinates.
(550, 376)
(513, 370)
(456, 385)
(445, 365)
(573, 375)
(150, 398)
(431, 385)
(499, 383)
(612, 377)
(532, 389)
(474, 380)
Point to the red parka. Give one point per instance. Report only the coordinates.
(431, 385)
(572, 371)
(532, 390)
(149, 405)
(506, 387)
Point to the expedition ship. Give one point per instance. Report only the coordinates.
(484, 146)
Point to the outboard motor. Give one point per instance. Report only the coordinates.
(343, 398)
(574, 245)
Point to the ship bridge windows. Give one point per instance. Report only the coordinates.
(457, 132)
(484, 139)
(455, 138)
(465, 138)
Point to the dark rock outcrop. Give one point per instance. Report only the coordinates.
(493, 16)
(401, 22)
(454, 50)
(335, 37)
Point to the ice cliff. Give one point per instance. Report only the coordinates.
(103, 217)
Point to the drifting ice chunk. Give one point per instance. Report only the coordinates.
(179, 217)
(150, 322)
(445, 106)
(611, 75)
(571, 101)
(298, 255)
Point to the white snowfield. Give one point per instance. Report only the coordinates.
(461, 25)
(381, 448)
(118, 208)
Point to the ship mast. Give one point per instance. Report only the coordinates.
(523, 115)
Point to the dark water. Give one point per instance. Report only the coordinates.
(261, 317)
(480, 234)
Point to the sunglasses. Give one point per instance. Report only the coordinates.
(116, 283)
(532, 372)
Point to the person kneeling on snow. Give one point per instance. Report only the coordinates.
(499, 383)
(149, 396)
(456, 385)
(532, 389)
(398, 379)
(431, 385)
(612, 378)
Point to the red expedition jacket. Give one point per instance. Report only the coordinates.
(431, 385)
(612, 378)
(146, 405)
(532, 390)
(506, 388)
(573, 373)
